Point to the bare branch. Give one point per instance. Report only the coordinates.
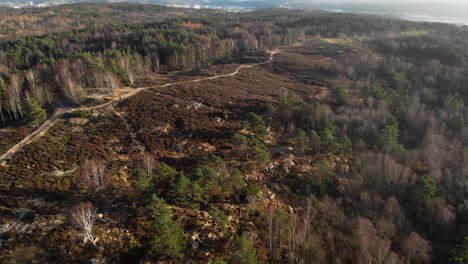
(84, 214)
(94, 175)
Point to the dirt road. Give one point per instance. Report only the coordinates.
(62, 111)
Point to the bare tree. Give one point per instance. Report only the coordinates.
(38, 91)
(126, 65)
(148, 162)
(385, 174)
(84, 214)
(110, 80)
(67, 84)
(416, 249)
(372, 247)
(2, 98)
(12, 95)
(269, 217)
(393, 212)
(94, 175)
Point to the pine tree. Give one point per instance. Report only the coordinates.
(169, 239)
(245, 253)
(34, 113)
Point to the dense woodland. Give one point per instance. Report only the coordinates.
(387, 181)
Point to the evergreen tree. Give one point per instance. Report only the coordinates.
(302, 142)
(34, 114)
(389, 139)
(462, 253)
(169, 238)
(245, 253)
(256, 124)
(424, 190)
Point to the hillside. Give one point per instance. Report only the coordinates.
(38, 21)
(276, 136)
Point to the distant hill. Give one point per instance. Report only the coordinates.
(435, 12)
(37, 21)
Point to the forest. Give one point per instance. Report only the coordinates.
(348, 145)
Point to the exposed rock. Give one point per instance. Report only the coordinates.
(288, 163)
(162, 129)
(97, 261)
(195, 105)
(227, 207)
(179, 147)
(78, 121)
(270, 166)
(269, 194)
(195, 240)
(57, 173)
(22, 212)
(4, 228)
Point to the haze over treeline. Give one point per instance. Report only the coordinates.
(451, 11)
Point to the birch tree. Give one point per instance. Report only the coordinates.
(94, 175)
(84, 215)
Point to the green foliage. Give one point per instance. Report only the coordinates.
(302, 144)
(187, 193)
(218, 181)
(250, 190)
(162, 179)
(236, 183)
(240, 141)
(261, 155)
(454, 106)
(293, 110)
(332, 143)
(252, 148)
(292, 102)
(399, 78)
(168, 239)
(81, 114)
(389, 139)
(374, 90)
(164, 176)
(220, 218)
(339, 93)
(214, 181)
(3, 85)
(425, 188)
(244, 253)
(319, 182)
(142, 181)
(34, 114)
(225, 113)
(462, 255)
(256, 125)
(282, 217)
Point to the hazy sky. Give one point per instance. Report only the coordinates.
(392, 1)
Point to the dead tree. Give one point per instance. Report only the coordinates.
(84, 215)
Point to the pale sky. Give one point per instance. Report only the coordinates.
(391, 1)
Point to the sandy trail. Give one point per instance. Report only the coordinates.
(62, 111)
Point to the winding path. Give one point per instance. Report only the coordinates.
(63, 111)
